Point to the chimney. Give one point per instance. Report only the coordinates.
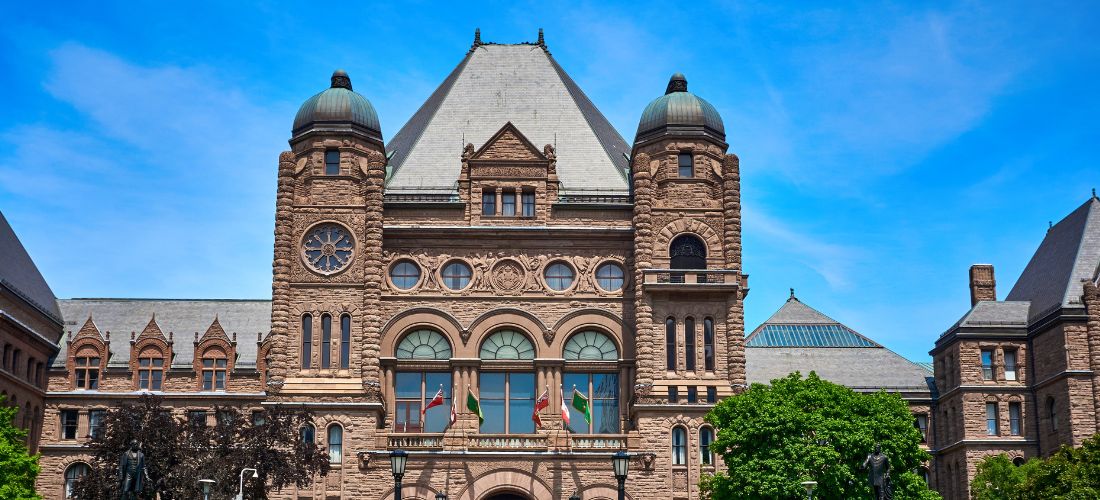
(982, 284)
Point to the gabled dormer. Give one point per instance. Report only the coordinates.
(88, 354)
(215, 355)
(508, 181)
(150, 356)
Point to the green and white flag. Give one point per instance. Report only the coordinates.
(474, 405)
(581, 404)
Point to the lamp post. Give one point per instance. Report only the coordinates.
(809, 485)
(206, 484)
(574, 496)
(621, 461)
(440, 496)
(397, 466)
(240, 485)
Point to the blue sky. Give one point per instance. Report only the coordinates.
(884, 147)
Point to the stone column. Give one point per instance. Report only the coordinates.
(643, 259)
(373, 275)
(280, 282)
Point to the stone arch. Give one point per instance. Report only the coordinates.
(506, 481)
(516, 319)
(696, 227)
(589, 319)
(412, 492)
(417, 318)
(601, 492)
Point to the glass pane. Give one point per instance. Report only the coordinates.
(520, 416)
(491, 387)
(437, 418)
(220, 381)
(156, 381)
(522, 386)
(576, 418)
(493, 409)
(605, 416)
(408, 385)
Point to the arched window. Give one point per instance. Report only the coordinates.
(1018, 461)
(670, 344)
(307, 341)
(326, 340)
(687, 252)
(72, 474)
(150, 369)
(590, 346)
(706, 437)
(345, 341)
(7, 356)
(679, 446)
(1052, 411)
(689, 344)
(335, 444)
(308, 434)
(214, 367)
(424, 344)
(708, 344)
(507, 344)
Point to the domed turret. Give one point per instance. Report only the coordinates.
(679, 113)
(337, 110)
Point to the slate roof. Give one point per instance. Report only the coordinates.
(989, 313)
(19, 274)
(833, 350)
(493, 85)
(249, 319)
(1069, 254)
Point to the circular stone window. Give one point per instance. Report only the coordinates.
(328, 248)
(456, 275)
(405, 274)
(559, 276)
(610, 276)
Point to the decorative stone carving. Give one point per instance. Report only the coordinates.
(508, 276)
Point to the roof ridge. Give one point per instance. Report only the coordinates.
(1089, 216)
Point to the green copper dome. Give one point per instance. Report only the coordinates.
(337, 109)
(680, 112)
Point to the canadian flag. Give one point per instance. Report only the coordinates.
(541, 403)
(454, 410)
(436, 401)
(564, 408)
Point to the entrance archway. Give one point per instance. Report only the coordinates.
(506, 496)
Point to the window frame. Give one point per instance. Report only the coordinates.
(68, 424)
(608, 282)
(508, 398)
(1015, 418)
(399, 275)
(307, 341)
(217, 368)
(992, 419)
(326, 341)
(150, 370)
(345, 341)
(706, 441)
(554, 278)
(679, 446)
(86, 370)
(95, 421)
(708, 344)
(670, 344)
(689, 165)
(426, 395)
(335, 446)
(921, 422)
(987, 368)
(507, 203)
(527, 201)
(329, 164)
(589, 391)
(73, 473)
(689, 344)
(1011, 369)
(488, 202)
(465, 277)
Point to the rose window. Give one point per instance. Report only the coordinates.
(328, 248)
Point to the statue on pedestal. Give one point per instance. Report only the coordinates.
(131, 472)
(878, 473)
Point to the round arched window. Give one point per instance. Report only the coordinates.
(328, 248)
(559, 276)
(405, 274)
(610, 276)
(687, 252)
(590, 346)
(72, 475)
(507, 344)
(456, 275)
(424, 344)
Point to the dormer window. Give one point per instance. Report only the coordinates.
(332, 162)
(488, 202)
(687, 165)
(87, 372)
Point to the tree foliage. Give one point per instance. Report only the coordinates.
(178, 453)
(18, 468)
(773, 437)
(1068, 474)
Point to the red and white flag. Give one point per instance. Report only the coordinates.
(541, 403)
(454, 409)
(436, 401)
(564, 408)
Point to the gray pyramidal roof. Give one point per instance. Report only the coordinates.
(249, 319)
(19, 274)
(493, 85)
(800, 338)
(1068, 255)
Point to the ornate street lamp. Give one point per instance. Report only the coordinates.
(206, 484)
(809, 485)
(621, 462)
(398, 458)
(575, 496)
(440, 496)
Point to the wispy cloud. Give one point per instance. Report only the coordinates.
(834, 262)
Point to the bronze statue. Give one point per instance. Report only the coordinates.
(131, 472)
(878, 473)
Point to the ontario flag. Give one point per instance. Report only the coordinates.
(564, 407)
(436, 401)
(541, 403)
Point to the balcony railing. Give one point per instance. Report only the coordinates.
(598, 442)
(508, 441)
(415, 441)
(691, 278)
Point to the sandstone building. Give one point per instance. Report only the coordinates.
(1022, 376)
(506, 241)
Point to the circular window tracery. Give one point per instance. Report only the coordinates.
(590, 346)
(328, 248)
(456, 275)
(610, 276)
(424, 344)
(405, 274)
(559, 276)
(507, 344)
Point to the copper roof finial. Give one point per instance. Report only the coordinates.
(792, 293)
(678, 83)
(1094, 193)
(341, 80)
(477, 37)
(542, 41)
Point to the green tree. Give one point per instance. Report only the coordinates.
(178, 453)
(773, 437)
(1069, 474)
(18, 468)
(999, 479)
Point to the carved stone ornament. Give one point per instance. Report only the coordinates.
(508, 276)
(548, 336)
(648, 459)
(364, 459)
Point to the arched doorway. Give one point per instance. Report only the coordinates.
(506, 496)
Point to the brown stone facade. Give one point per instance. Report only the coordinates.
(28, 340)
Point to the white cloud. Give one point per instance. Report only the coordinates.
(834, 262)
